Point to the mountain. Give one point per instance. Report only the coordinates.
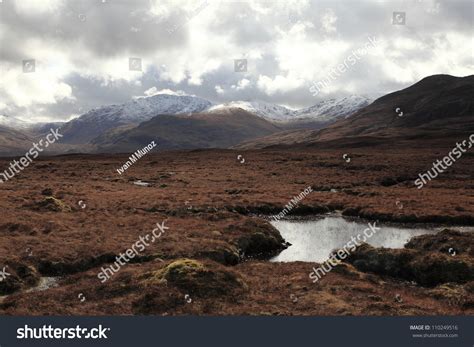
(265, 110)
(98, 121)
(320, 114)
(110, 128)
(333, 109)
(12, 122)
(437, 108)
(222, 129)
(106, 123)
(14, 142)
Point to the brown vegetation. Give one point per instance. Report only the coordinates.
(211, 203)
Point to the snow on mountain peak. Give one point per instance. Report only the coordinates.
(323, 111)
(261, 109)
(144, 108)
(12, 122)
(327, 110)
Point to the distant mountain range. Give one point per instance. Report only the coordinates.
(323, 112)
(100, 120)
(193, 121)
(14, 123)
(436, 107)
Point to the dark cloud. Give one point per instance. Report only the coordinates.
(82, 49)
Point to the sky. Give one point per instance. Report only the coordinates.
(58, 59)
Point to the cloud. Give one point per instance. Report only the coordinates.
(328, 21)
(82, 50)
(279, 84)
(242, 84)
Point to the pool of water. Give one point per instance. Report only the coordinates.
(314, 240)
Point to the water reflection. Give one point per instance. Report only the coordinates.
(312, 241)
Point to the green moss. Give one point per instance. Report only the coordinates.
(176, 270)
(196, 279)
(55, 204)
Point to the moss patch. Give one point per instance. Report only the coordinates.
(50, 203)
(197, 279)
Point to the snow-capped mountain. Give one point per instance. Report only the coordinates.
(262, 109)
(324, 111)
(99, 120)
(116, 118)
(144, 108)
(14, 123)
(333, 109)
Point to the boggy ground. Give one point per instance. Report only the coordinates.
(212, 259)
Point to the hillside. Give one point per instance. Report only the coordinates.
(201, 130)
(437, 108)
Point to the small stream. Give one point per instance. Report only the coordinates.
(313, 241)
(44, 283)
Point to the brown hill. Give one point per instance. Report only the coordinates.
(436, 109)
(13, 142)
(201, 130)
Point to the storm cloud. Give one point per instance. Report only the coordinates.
(81, 50)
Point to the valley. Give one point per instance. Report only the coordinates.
(216, 180)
